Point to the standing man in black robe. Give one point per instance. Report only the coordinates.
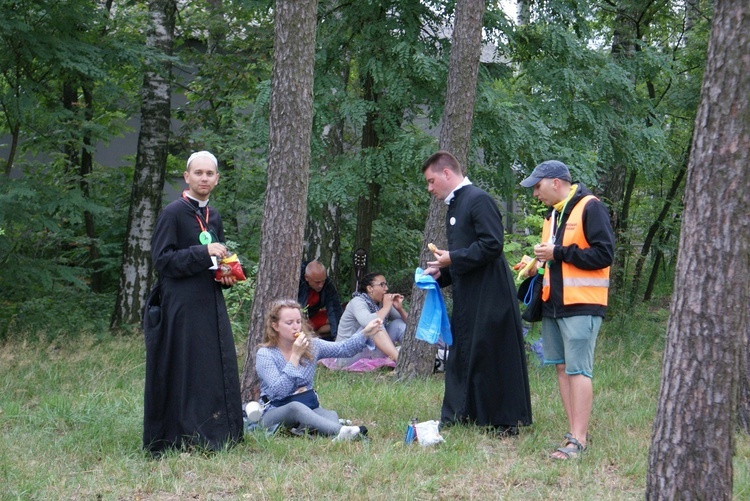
(486, 380)
(192, 393)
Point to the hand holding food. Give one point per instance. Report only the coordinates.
(432, 247)
(230, 266)
(522, 263)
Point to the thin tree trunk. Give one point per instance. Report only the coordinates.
(15, 131)
(322, 230)
(136, 273)
(665, 236)
(86, 168)
(655, 228)
(367, 205)
(693, 440)
(322, 235)
(416, 358)
(614, 180)
(290, 128)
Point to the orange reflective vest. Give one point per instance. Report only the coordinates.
(579, 286)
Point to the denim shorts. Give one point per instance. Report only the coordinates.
(571, 341)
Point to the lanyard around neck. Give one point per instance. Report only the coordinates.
(556, 221)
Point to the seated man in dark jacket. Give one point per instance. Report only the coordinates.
(320, 299)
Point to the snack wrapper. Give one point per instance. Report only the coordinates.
(230, 266)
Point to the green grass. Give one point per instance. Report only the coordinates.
(71, 410)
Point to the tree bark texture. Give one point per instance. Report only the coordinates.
(284, 211)
(322, 240)
(322, 231)
(416, 357)
(136, 273)
(693, 438)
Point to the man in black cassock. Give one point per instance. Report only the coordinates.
(192, 393)
(486, 380)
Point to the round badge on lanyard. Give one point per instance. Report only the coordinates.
(205, 238)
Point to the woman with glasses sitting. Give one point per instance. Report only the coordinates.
(372, 301)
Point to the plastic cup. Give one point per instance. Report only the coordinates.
(254, 411)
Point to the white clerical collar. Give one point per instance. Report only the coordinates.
(201, 203)
(463, 183)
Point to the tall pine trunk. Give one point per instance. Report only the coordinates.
(290, 128)
(150, 166)
(693, 438)
(417, 358)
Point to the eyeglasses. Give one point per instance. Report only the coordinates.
(382, 284)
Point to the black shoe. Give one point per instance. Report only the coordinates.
(503, 431)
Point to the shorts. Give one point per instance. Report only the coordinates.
(319, 319)
(571, 341)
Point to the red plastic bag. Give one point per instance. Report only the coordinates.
(230, 266)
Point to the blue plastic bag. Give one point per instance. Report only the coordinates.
(434, 323)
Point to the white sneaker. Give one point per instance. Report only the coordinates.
(347, 433)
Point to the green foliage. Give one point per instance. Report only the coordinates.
(45, 255)
(239, 297)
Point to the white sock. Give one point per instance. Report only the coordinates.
(347, 433)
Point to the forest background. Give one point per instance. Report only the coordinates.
(610, 88)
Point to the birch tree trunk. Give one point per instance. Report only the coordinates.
(136, 273)
(417, 358)
(693, 438)
(290, 128)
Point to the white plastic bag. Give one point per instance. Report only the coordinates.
(428, 433)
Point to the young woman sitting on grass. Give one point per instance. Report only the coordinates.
(285, 364)
(372, 300)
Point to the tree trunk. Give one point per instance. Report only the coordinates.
(136, 273)
(417, 358)
(614, 179)
(15, 132)
(367, 205)
(322, 231)
(322, 235)
(743, 414)
(656, 229)
(322, 240)
(693, 439)
(86, 168)
(290, 127)
(664, 237)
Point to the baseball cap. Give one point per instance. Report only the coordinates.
(549, 169)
